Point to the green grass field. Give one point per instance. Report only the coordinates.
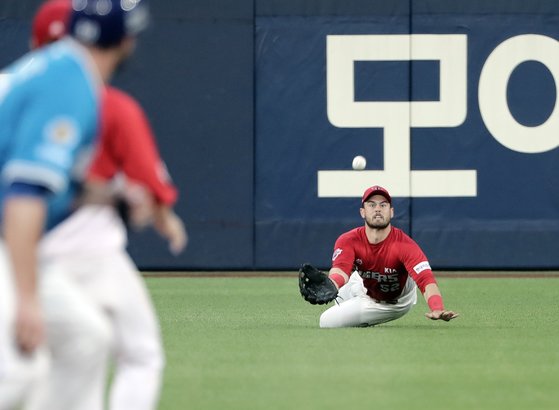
(253, 343)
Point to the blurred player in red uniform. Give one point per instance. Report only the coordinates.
(91, 247)
(377, 269)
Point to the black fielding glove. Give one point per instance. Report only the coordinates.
(315, 286)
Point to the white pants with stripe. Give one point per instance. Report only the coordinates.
(353, 307)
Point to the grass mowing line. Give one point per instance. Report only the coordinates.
(247, 343)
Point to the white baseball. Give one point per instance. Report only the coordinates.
(359, 162)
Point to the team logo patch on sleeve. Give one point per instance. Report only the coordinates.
(62, 131)
(61, 136)
(420, 267)
(336, 253)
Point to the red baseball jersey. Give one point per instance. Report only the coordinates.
(384, 267)
(127, 144)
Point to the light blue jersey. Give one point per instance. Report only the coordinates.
(49, 115)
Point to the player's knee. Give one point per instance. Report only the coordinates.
(101, 338)
(324, 324)
(328, 320)
(148, 354)
(92, 340)
(347, 314)
(154, 356)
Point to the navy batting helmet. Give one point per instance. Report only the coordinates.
(104, 23)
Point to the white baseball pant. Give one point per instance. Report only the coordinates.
(355, 308)
(79, 339)
(19, 373)
(89, 247)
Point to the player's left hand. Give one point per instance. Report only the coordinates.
(445, 315)
(170, 226)
(141, 205)
(29, 326)
(315, 286)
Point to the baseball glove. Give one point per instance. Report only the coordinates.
(315, 286)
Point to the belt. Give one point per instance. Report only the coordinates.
(386, 302)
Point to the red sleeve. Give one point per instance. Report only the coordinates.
(127, 144)
(344, 254)
(417, 265)
(105, 161)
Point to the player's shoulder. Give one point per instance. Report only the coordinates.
(352, 235)
(119, 97)
(116, 95)
(65, 67)
(65, 57)
(39, 70)
(53, 79)
(403, 241)
(120, 100)
(400, 236)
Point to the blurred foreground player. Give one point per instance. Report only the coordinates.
(49, 113)
(90, 245)
(375, 272)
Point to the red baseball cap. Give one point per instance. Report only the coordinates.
(376, 190)
(50, 22)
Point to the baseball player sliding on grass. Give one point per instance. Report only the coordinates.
(375, 271)
(89, 248)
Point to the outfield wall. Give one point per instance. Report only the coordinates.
(260, 106)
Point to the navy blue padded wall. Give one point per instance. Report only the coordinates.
(194, 74)
(236, 92)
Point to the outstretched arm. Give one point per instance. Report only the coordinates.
(434, 300)
(338, 276)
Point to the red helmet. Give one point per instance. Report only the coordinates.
(50, 22)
